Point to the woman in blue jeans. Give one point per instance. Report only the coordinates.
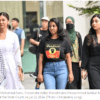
(54, 49)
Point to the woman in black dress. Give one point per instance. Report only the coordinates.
(91, 53)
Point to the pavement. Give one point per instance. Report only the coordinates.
(29, 83)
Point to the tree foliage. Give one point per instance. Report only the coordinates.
(91, 8)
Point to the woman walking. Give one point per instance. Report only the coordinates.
(10, 50)
(54, 49)
(76, 45)
(91, 53)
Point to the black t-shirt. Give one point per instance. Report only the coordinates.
(41, 34)
(54, 49)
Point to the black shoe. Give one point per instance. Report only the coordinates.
(34, 75)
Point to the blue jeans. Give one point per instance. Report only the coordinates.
(55, 75)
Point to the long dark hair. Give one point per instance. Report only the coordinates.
(92, 38)
(60, 31)
(5, 15)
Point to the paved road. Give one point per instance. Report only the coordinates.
(29, 83)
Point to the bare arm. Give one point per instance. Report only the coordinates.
(20, 73)
(80, 62)
(34, 42)
(22, 46)
(83, 73)
(69, 63)
(40, 76)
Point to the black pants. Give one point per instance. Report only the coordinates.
(76, 84)
(93, 70)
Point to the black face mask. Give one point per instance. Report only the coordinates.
(69, 26)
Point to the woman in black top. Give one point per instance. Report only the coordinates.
(55, 49)
(76, 44)
(91, 53)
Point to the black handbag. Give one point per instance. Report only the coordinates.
(33, 48)
(70, 86)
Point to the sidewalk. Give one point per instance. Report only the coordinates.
(29, 83)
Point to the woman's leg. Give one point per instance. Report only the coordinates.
(93, 70)
(94, 78)
(49, 81)
(61, 81)
(61, 75)
(76, 84)
(49, 75)
(9, 79)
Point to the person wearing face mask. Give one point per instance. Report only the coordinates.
(76, 45)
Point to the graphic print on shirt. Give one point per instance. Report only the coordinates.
(40, 35)
(52, 51)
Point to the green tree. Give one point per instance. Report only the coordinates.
(91, 8)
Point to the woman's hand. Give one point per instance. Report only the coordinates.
(80, 63)
(69, 63)
(20, 75)
(40, 78)
(70, 78)
(83, 73)
(22, 52)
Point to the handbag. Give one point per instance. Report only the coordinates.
(70, 86)
(32, 47)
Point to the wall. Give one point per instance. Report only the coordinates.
(33, 6)
(14, 9)
(82, 24)
(54, 9)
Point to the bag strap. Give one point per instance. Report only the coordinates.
(38, 32)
